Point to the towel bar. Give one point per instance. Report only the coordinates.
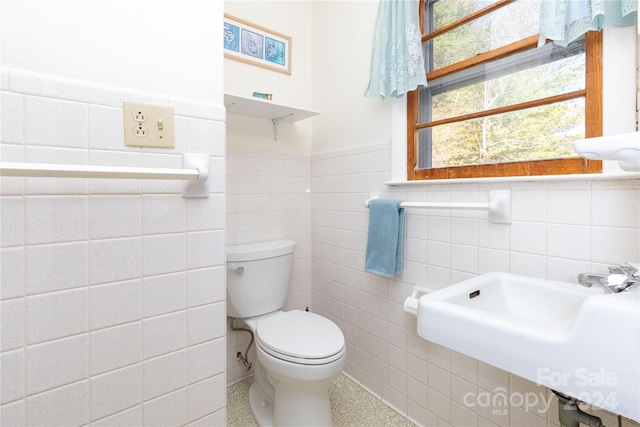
(499, 206)
(196, 169)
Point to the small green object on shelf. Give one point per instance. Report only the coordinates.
(263, 95)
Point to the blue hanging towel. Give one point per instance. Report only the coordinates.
(385, 241)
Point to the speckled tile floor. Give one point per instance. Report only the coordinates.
(351, 406)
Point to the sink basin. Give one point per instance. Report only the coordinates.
(572, 339)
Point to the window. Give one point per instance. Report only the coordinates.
(496, 104)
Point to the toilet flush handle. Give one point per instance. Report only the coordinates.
(238, 269)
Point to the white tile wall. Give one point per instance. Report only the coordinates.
(112, 295)
(115, 347)
(559, 229)
(268, 199)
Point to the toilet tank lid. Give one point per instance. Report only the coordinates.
(260, 250)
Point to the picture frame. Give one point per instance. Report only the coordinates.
(256, 45)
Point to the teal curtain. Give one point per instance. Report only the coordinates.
(397, 64)
(563, 21)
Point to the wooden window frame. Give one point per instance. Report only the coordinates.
(593, 110)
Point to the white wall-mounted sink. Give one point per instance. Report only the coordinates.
(572, 339)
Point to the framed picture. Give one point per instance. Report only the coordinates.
(256, 45)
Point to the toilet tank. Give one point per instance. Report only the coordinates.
(258, 277)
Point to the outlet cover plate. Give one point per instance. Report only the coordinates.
(148, 125)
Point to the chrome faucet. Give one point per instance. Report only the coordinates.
(622, 278)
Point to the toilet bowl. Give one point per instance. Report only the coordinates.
(299, 353)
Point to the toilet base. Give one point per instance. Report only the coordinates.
(295, 409)
(300, 404)
(261, 408)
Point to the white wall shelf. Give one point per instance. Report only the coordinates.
(265, 109)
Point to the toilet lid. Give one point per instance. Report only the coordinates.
(300, 334)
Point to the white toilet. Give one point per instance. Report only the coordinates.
(298, 353)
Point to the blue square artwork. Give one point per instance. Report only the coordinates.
(231, 37)
(251, 44)
(274, 51)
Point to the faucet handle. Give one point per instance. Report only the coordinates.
(626, 269)
(629, 269)
(615, 269)
(625, 277)
(616, 281)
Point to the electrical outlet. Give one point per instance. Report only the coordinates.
(139, 115)
(148, 125)
(140, 131)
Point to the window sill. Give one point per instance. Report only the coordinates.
(541, 178)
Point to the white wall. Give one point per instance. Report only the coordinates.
(169, 48)
(342, 36)
(291, 18)
(268, 181)
(112, 291)
(341, 65)
(619, 80)
(558, 230)
(330, 72)
(268, 198)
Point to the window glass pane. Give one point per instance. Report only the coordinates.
(506, 25)
(544, 132)
(559, 77)
(446, 12)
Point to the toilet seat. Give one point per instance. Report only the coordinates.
(300, 337)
